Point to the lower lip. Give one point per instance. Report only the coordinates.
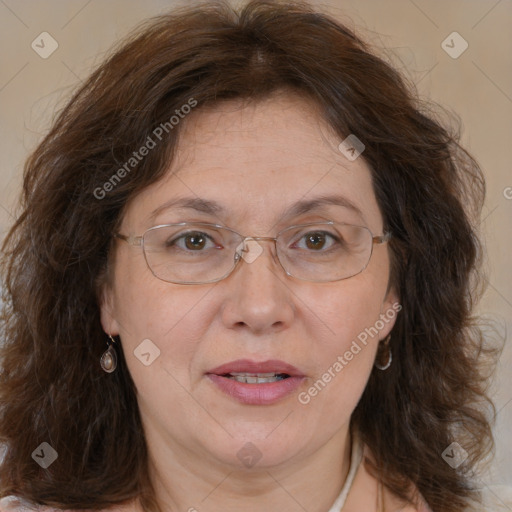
(256, 394)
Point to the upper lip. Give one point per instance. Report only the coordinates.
(248, 366)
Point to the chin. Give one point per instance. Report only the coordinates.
(257, 451)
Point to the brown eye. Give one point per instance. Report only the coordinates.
(315, 240)
(195, 241)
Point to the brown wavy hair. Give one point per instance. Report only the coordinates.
(57, 255)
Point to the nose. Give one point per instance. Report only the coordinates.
(258, 294)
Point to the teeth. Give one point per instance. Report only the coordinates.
(256, 378)
(262, 375)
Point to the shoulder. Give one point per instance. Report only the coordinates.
(386, 498)
(392, 502)
(368, 493)
(497, 498)
(15, 504)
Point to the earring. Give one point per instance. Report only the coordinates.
(378, 361)
(108, 360)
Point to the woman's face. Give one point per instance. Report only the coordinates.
(255, 162)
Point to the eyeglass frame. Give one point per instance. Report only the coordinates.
(138, 241)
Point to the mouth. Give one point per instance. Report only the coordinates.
(256, 383)
(256, 378)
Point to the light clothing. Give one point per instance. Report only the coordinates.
(355, 460)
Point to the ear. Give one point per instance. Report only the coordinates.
(389, 311)
(107, 311)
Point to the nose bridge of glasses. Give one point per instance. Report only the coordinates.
(269, 238)
(245, 245)
(250, 249)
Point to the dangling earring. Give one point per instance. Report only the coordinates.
(108, 360)
(386, 350)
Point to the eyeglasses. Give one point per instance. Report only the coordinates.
(201, 253)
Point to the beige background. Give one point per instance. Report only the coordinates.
(477, 85)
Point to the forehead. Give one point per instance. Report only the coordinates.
(255, 161)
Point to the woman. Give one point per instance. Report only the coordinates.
(243, 278)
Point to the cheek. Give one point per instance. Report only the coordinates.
(348, 307)
(154, 315)
(344, 354)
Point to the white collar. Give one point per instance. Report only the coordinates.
(355, 460)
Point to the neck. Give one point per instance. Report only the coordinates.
(186, 481)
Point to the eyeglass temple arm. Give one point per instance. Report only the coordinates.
(132, 240)
(380, 239)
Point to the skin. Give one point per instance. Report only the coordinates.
(255, 159)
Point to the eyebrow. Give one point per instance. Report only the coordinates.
(299, 208)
